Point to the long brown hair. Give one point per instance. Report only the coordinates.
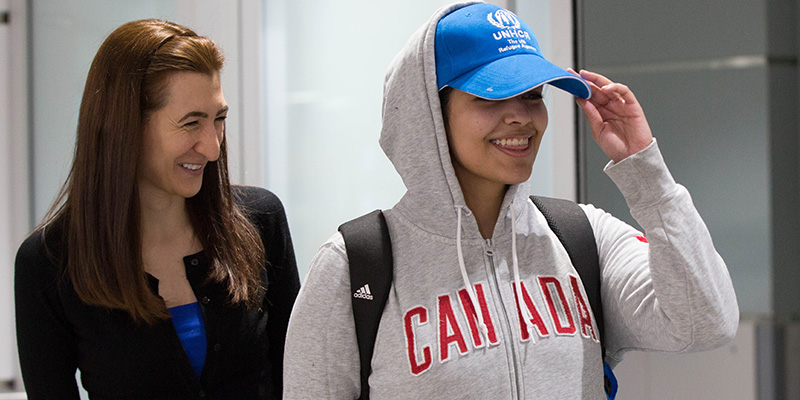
(98, 206)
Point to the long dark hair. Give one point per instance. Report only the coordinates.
(98, 206)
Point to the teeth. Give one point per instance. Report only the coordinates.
(511, 142)
(193, 167)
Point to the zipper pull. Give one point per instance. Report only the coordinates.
(489, 248)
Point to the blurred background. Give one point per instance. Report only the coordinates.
(303, 79)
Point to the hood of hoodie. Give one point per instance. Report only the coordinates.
(413, 137)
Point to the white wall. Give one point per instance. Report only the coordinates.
(325, 64)
(13, 142)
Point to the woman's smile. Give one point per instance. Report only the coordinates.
(513, 146)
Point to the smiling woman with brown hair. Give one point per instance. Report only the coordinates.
(149, 256)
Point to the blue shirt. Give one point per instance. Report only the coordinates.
(188, 322)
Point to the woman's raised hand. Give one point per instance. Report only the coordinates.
(615, 117)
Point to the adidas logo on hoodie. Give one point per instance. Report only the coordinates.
(363, 293)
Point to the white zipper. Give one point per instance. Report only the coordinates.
(505, 325)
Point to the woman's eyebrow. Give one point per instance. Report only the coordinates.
(194, 114)
(201, 114)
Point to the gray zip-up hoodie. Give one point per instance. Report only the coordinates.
(664, 290)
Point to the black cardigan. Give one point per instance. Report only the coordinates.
(118, 359)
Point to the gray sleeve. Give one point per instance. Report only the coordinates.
(667, 289)
(321, 357)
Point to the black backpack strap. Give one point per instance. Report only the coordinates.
(369, 254)
(570, 224)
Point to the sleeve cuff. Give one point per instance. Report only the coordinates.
(642, 178)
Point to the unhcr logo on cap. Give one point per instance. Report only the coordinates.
(503, 19)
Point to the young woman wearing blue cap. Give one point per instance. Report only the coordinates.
(463, 117)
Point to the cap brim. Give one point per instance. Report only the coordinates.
(509, 76)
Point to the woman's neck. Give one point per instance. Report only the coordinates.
(167, 237)
(485, 204)
(164, 219)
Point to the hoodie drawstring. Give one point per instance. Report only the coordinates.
(470, 291)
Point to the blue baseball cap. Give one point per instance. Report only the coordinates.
(487, 51)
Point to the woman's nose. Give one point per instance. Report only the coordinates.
(209, 142)
(517, 111)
